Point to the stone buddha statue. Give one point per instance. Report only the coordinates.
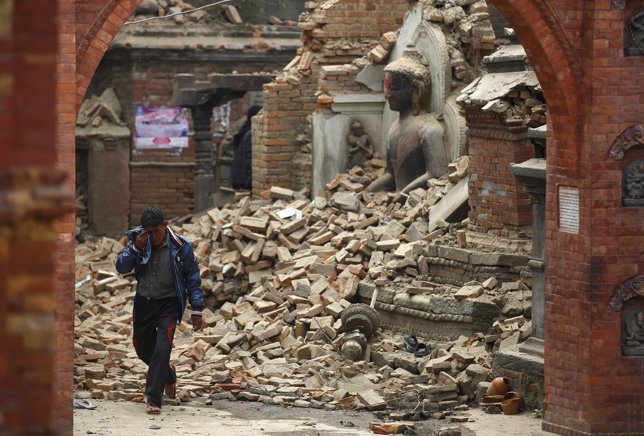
(416, 150)
(634, 333)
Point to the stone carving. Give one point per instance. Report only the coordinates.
(634, 184)
(636, 29)
(629, 138)
(631, 288)
(633, 331)
(618, 4)
(416, 150)
(359, 144)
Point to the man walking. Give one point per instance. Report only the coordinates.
(167, 275)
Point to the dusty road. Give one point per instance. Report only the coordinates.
(226, 418)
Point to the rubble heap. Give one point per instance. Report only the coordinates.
(182, 12)
(278, 274)
(162, 8)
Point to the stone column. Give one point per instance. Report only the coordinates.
(532, 174)
(204, 157)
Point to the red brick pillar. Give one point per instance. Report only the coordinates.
(31, 199)
(65, 137)
(498, 201)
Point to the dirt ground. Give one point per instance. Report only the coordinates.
(225, 418)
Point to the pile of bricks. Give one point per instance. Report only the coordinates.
(177, 8)
(281, 272)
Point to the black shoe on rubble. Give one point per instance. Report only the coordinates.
(421, 350)
(411, 343)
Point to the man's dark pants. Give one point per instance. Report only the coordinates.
(154, 326)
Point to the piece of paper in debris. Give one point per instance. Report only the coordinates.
(290, 213)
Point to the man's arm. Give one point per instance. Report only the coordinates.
(126, 259)
(192, 280)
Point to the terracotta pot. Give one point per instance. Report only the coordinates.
(499, 386)
(511, 403)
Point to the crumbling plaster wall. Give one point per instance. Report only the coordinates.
(334, 32)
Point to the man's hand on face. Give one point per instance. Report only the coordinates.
(141, 241)
(197, 322)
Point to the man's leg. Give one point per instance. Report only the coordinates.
(170, 388)
(159, 366)
(144, 327)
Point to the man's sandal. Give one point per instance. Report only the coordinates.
(151, 409)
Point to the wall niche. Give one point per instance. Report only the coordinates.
(628, 300)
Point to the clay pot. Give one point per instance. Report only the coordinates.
(499, 386)
(511, 403)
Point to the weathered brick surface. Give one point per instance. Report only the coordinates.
(169, 187)
(28, 277)
(498, 200)
(64, 276)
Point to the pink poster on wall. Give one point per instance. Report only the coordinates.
(160, 127)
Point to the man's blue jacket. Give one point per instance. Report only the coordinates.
(185, 271)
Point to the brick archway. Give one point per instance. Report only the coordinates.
(550, 52)
(96, 39)
(582, 361)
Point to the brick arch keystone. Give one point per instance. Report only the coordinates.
(97, 39)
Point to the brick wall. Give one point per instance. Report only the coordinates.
(341, 79)
(498, 202)
(286, 106)
(157, 177)
(332, 36)
(169, 186)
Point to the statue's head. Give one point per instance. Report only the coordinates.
(356, 128)
(407, 81)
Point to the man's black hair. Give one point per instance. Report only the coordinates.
(152, 217)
